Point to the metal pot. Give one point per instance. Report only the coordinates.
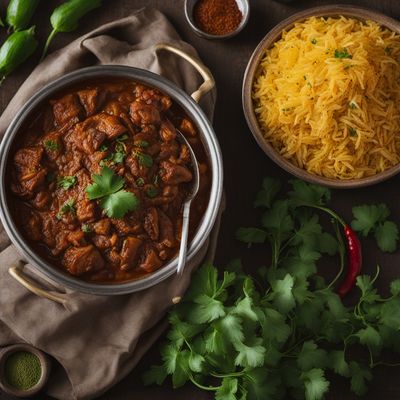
(207, 136)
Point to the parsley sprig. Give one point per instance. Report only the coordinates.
(108, 188)
(284, 333)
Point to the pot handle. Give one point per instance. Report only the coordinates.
(17, 272)
(209, 81)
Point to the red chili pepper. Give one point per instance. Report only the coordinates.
(354, 255)
(354, 261)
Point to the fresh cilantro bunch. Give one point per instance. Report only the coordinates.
(373, 219)
(279, 335)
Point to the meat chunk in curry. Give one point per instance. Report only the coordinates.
(99, 179)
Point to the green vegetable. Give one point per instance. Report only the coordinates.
(20, 12)
(86, 228)
(16, 49)
(314, 41)
(342, 53)
(67, 182)
(373, 218)
(152, 192)
(144, 159)
(284, 335)
(140, 181)
(107, 187)
(65, 17)
(141, 143)
(67, 207)
(22, 370)
(51, 145)
(353, 105)
(352, 131)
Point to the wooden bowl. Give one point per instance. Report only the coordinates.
(44, 362)
(252, 71)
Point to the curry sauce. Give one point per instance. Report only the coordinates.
(120, 136)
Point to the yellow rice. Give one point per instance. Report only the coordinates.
(328, 97)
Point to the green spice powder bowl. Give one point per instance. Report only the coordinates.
(8, 359)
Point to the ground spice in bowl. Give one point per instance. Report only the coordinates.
(22, 370)
(217, 17)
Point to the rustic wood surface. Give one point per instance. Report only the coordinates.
(245, 163)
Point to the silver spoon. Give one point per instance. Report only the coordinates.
(186, 206)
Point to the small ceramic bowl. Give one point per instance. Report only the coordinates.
(252, 71)
(244, 8)
(45, 367)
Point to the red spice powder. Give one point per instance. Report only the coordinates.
(217, 17)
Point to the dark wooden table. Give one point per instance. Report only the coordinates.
(245, 164)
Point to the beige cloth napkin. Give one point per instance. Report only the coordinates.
(96, 339)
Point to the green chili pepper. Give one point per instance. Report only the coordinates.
(65, 17)
(16, 49)
(20, 12)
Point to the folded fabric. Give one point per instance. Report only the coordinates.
(97, 339)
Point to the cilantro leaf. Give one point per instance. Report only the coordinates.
(205, 281)
(282, 294)
(231, 327)
(156, 374)
(215, 342)
(196, 362)
(67, 182)
(278, 221)
(311, 356)
(250, 356)
(270, 188)
(368, 293)
(251, 235)
(369, 336)
(342, 53)
(244, 308)
(367, 216)
(143, 159)
(307, 193)
(315, 384)
(328, 244)
(261, 384)
(169, 355)
(390, 313)
(227, 390)
(67, 207)
(274, 325)
(107, 187)
(395, 287)
(338, 363)
(51, 145)
(206, 309)
(116, 205)
(104, 184)
(387, 236)
(359, 374)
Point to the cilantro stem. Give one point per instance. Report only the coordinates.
(232, 374)
(200, 386)
(371, 358)
(386, 364)
(341, 252)
(326, 210)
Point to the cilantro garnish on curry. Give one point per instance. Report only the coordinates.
(99, 179)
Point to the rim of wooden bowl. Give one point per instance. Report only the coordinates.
(269, 39)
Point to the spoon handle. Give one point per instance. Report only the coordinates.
(184, 238)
